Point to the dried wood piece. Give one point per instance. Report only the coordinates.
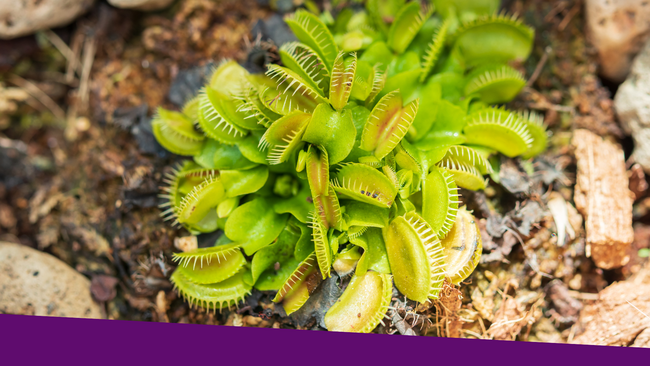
(603, 197)
(618, 318)
(508, 321)
(643, 339)
(447, 318)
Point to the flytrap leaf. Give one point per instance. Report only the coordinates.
(299, 285)
(535, 123)
(250, 105)
(300, 205)
(378, 82)
(434, 50)
(310, 30)
(363, 214)
(283, 99)
(280, 252)
(374, 255)
(290, 80)
(283, 138)
(306, 63)
(210, 265)
(466, 9)
(363, 81)
(365, 184)
(349, 161)
(215, 155)
(327, 211)
(223, 294)
(463, 247)
(345, 262)
(499, 129)
(495, 84)
(227, 78)
(332, 130)
(239, 183)
(465, 174)
(219, 118)
(362, 305)
(198, 208)
(416, 257)
(255, 224)
(322, 248)
(470, 156)
(387, 124)
(181, 181)
(494, 38)
(439, 201)
(318, 171)
(379, 11)
(175, 132)
(343, 73)
(406, 25)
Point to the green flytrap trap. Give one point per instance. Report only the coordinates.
(347, 156)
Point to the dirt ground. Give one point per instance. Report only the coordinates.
(80, 171)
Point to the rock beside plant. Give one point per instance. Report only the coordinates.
(618, 30)
(36, 283)
(20, 18)
(142, 5)
(632, 104)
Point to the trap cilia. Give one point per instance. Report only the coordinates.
(347, 155)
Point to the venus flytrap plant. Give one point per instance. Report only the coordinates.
(348, 155)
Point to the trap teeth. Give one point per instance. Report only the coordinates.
(416, 257)
(351, 161)
(362, 305)
(463, 247)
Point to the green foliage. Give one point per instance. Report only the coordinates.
(349, 155)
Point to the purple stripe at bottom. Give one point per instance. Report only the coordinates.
(27, 340)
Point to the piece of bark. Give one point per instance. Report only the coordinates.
(450, 301)
(602, 196)
(618, 317)
(508, 321)
(643, 339)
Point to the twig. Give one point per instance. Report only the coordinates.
(572, 333)
(69, 55)
(637, 309)
(539, 67)
(569, 16)
(505, 322)
(77, 41)
(531, 262)
(583, 295)
(88, 58)
(39, 95)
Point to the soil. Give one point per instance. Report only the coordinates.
(80, 171)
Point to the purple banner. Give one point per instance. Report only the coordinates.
(31, 340)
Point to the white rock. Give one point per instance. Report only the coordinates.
(36, 283)
(23, 17)
(618, 29)
(142, 5)
(632, 104)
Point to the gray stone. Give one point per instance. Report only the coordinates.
(142, 5)
(618, 29)
(36, 283)
(20, 18)
(632, 104)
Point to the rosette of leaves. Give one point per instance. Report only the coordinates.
(347, 158)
